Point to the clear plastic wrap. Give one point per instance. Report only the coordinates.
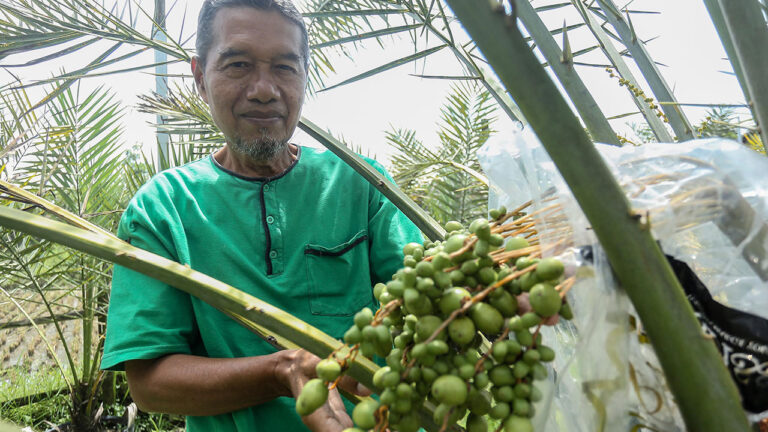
(706, 203)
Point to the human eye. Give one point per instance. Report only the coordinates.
(287, 68)
(237, 65)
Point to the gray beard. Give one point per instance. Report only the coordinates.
(263, 149)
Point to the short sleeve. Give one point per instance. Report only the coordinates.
(389, 230)
(147, 318)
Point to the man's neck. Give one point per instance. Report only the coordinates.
(245, 166)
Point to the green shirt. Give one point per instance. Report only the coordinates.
(311, 241)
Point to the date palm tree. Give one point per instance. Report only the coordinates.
(70, 155)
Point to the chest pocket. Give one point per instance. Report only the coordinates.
(339, 278)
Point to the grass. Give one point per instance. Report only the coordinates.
(33, 399)
(40, 400)
(18, 382)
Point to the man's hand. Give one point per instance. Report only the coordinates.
(331, 416)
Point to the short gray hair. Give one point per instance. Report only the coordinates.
(285, 8)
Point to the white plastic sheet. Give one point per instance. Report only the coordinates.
(707, 203)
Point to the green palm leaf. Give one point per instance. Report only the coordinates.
(72, 25)
(448, 181)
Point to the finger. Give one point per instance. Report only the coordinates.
(336, 405)
(334, 401)
(350, 385)
(325, 419)
(308, 362)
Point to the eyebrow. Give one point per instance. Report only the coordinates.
(232, 52)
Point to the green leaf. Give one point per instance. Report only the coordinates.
(363, 36)
(552, 7)
(368, 12)
(567, 56)
(388, 66)
(448, 77)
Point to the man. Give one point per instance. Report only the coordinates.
(293, 226)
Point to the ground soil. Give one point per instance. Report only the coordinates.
(24, 347)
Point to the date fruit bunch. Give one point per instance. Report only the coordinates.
(453, 332)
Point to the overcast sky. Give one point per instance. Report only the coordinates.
(361, 112)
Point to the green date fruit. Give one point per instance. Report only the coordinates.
(408, 423)
(516, 423)
(487, 318)
(353, 336)
(462, 331)
(450, 390)
(363, 318)
(566, 312)
(549, 269)
(453, 226)
(479, 402)
(530, 319)
(364, 414)
(545, 300)
(505, 302)
(515, 243)
(547, 353)
(476, 423)
(454, 243)
(499, 411)
(312, 396)
(395, 288)
(501, 375)
(521, 407)
(451, 299)
(328, 370)
(378, 376)
(426, 325)
(425, 269)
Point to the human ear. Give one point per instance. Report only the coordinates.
(197, 72)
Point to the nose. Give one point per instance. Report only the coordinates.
(262, 87)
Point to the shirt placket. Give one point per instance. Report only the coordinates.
(272, 227)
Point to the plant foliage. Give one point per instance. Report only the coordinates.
(446, 180)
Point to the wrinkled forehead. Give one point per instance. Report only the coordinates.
(247, 29)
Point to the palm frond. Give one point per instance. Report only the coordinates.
(448, 181)
(70, 26)
(185, 117)
(341, 25)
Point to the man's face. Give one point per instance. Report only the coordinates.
(253, 79)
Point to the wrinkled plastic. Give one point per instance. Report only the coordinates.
(707, 203)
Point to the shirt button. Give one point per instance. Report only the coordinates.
(273, 254)
(270, 219)
(266, 187)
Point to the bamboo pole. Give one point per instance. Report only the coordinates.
(416, 214)
(677, 119)
(704, 391)
(749, 34)
(582, 99)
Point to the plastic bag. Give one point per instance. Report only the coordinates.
(705, 200)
